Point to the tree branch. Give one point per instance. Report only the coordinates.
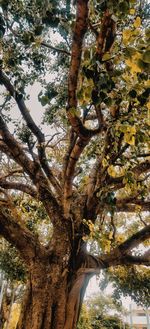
(19, 236)
(121, 255)
(82, 133)
(14, 148)
(70, 172)
(59, 50)
(122, 206)
(81, 26)
(137, 260)
(139, 169)
(134, 240)
(76, 51)
(33, 127)
(35, 173)
(26, 188)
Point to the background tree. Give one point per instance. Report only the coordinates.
(100, 311)
(88, 177)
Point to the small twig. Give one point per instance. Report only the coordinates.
(59, 50)
(17, 171)
(142, 220)
(51, 139)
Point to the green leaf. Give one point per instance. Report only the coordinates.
(106, 57)
(146, 57)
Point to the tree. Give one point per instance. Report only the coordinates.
(84, 319)
(97, 313)
(90, 177)
(109, 321)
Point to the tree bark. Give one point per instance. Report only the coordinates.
(51, 301)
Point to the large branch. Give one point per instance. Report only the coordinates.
(123, 206)
(114, 184)
(76, 52)
(83, 135)
(122, 255)
(80, 29)
(134, 240)
(19, 236)
(33, 127)
(137, 260)
(35, 173)
(26, 188)
(70, 172)
(75, 149)
(141, 168)
(15, 150)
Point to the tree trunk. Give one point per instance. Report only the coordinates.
(55, 287)
(52, 301)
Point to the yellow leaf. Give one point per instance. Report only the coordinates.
(120, 238)
(134, 67)
(126, 36)
(148, 119)
(138, 208)
(106, 57)
(137, 22)
(148, 105)
(104, 163)
(38, 41)
(115, 171)
(132, 11)
(129, 139)
(147, 83)
(132, 130)
(110, 235)
(111, 171)
(128, 188)
(146, 243)
(128, 129)
(107, 246)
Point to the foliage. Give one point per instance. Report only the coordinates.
(84, 320)
(131, 281)
(98, 310)
(11, 264)
(109, 321)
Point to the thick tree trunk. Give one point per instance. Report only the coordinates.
(51, 301)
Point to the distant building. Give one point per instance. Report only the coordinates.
(138, 318)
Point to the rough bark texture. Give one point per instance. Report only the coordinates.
(53, 294)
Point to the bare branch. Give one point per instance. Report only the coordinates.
(59, 50)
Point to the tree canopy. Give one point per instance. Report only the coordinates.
(100, 311)
(81, 177)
